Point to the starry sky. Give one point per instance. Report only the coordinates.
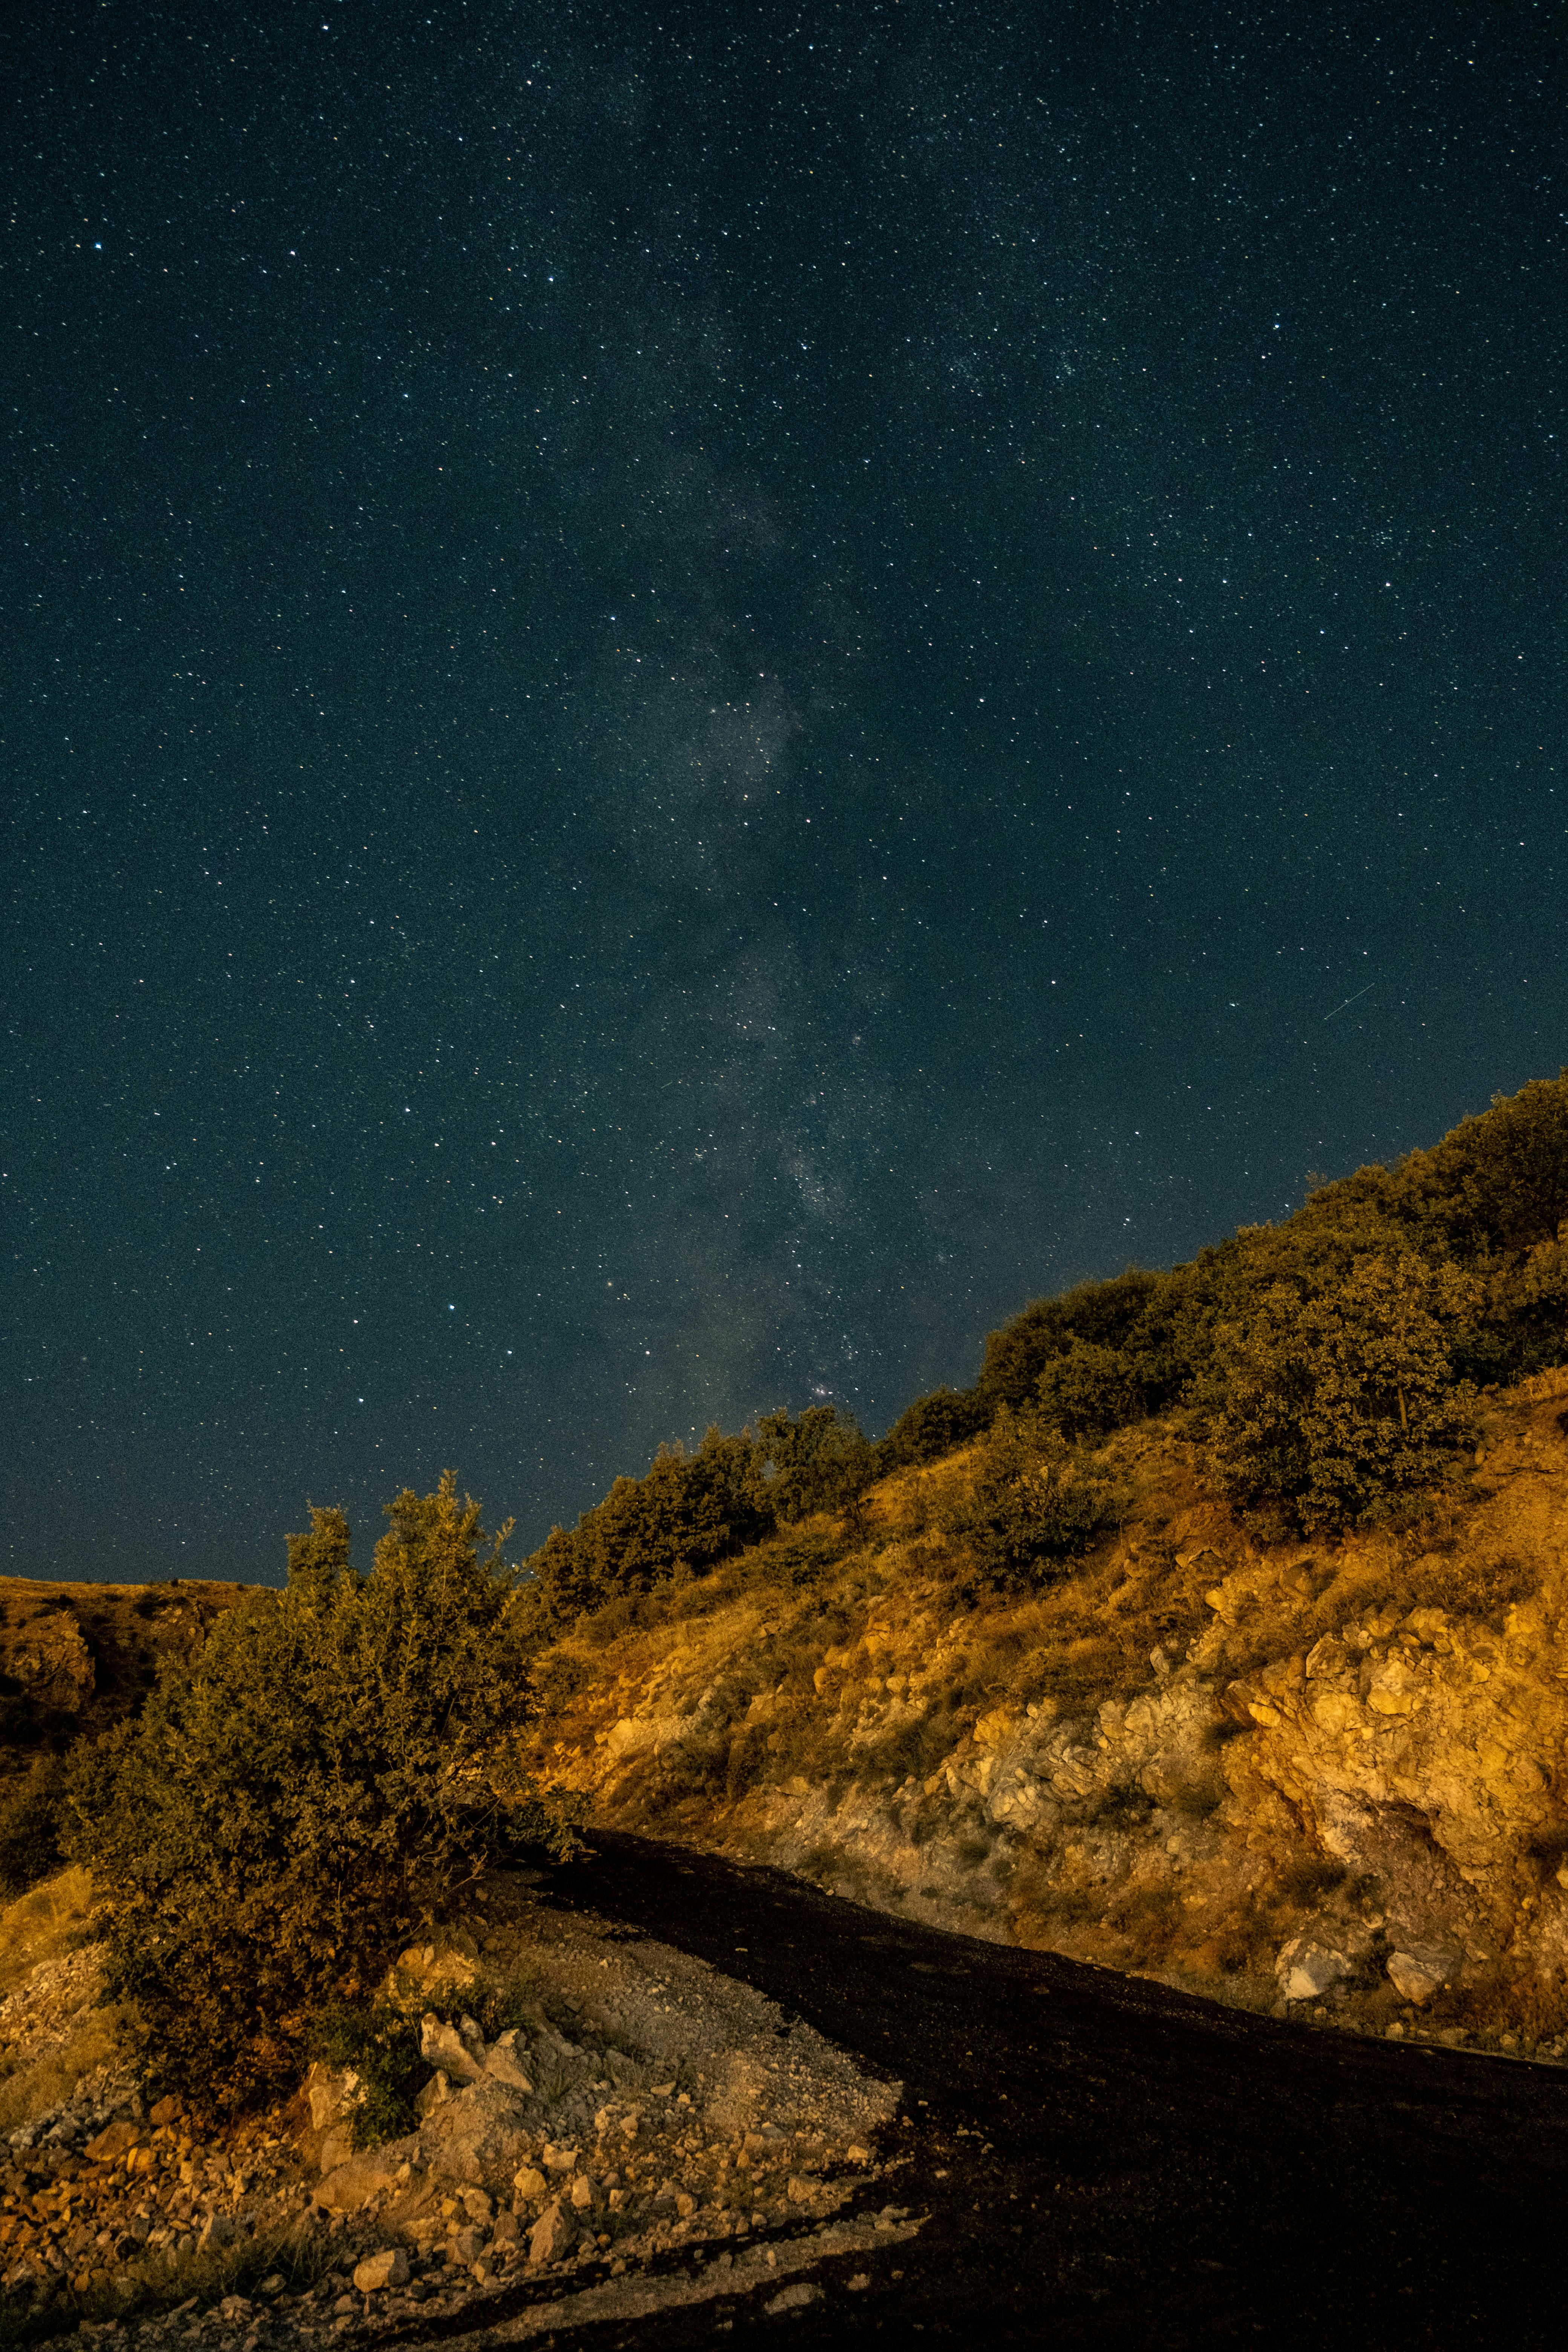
(695, 695)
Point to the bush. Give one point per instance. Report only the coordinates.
(690, 1512)
(1088, 1391)
(817, 1462)
(1034, 1506)
(1332, 1405)
(284, 1813)
(933, 1425)
(380, 2044)
(30, 1827)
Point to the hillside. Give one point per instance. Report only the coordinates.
(1320, 1777)
(76, 1658)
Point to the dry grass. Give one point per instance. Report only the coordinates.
(36, 2090)
(297, 2253)
(44, 1923)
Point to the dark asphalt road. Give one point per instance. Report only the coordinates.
(1149, 2169)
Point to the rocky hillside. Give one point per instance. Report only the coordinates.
(1324, 1777)
(643, 2107)
(76, 1657)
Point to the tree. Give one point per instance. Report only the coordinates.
(1034, 1507)
(1332, 1403)
(1088, 1391)
(815, 1463)
(931, 1426)
(284, 1813)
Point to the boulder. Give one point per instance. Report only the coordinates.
(503, 2062)
(529, 2182)
(352, 2184)
(1418, 1974)
(550, 2235)
(388, 2268)
(435, 2090)
(1306, 1968)
(479, 2134)
(113, 2142)
(451, 2049)
(167, 2111)
(331, 2092)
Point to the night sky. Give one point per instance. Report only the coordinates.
(694, 696)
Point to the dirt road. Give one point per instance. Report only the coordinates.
(1103, 2162)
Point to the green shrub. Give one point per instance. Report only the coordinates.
(689, 1512)
(1034, 1506)
(30, 1826)
(287, 1811)
(933, 1425)
(1333, 1403)
(381, 2044)
(1088, 1391)
(818, 1461)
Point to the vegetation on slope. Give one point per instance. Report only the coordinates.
(278, 1821)
(289, 1807)
(1326, 1367)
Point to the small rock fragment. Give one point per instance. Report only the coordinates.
(550, 2235)
(1418, 1975)
(388, 2268)
(1305, 1969)
(791, 2298)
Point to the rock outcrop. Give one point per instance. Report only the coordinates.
(1335, 1784)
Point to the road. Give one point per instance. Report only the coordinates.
(1105, 2162)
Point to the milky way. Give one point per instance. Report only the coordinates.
(696, 696)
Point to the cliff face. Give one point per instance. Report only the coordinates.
(1326, 1777)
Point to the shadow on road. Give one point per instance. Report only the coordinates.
(1106, 2162)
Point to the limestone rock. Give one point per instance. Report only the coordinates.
(448, 2048)
(1306, 1969)
(530, 2183)
(388, 2268)
(447, 1967)
(550, 2235)
(791, 2298)
(1417, 1975)
(353, 2183)
(503, 2062)
(644, 1735)
(112, 2142)
(435, 2090)
(479, 2134)
(581, 2191)
(333, 2093)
